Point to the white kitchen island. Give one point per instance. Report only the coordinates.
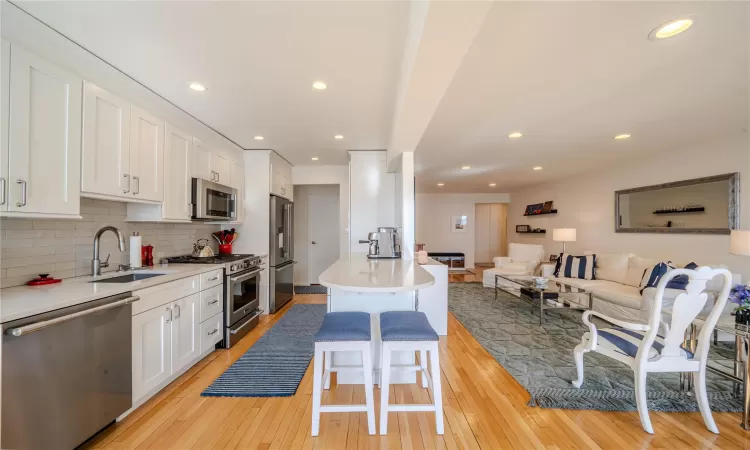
(357, 283)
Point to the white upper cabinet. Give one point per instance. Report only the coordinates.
(146, 155)
(4, 112)
(41, 165)
(281, 177)
(177, 174)
(221, 168)
(237, 178)
(106, 144)
(203, 161)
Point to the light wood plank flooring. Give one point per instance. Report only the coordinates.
(484, 408)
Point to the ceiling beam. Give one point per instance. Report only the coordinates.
(440, 33)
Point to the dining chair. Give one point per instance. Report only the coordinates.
(640, 346)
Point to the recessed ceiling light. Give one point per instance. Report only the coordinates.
(441, 184)
(538, 168)
(315, 158)
(515, 135)
(620, 137)
(338, 136)
(197, 87)
(258, 138)
(319, 85)
(493, 184)
(465, 167)
(671, 28)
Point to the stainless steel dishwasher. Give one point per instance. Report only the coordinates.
(66, 374)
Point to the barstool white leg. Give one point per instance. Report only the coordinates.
(423, 364)
(385, 380)
(437, 391)
(327, 373)
(317, 388)
(369, 398)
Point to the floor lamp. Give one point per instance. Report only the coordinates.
(564, 235)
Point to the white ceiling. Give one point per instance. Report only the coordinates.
(258, 61)
(570, 76)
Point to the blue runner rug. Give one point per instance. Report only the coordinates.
(276, 363)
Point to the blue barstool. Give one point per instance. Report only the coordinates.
(409, 331)
(342, 332)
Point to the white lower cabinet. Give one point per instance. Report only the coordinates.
(185, 323)
(210, 333)
(170, 338)
(152, 349)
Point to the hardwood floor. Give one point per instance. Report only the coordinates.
(484, 408)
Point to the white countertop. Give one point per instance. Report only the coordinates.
(356, 273)
(25, 301)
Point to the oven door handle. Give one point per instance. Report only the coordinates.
(237, 330)
(245, 276)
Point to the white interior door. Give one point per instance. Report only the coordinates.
(322, 213)
(482, 246)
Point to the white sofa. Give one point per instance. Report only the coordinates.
(616, 289)
(522, 259)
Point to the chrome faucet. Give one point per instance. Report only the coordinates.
(96, 265)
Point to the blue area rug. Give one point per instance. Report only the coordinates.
(313, 289)
(276, 363)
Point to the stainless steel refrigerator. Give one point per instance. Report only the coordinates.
(281, 257)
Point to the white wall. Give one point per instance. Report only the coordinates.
(433, 217)
(314, 175)
(372, 200)
(586, 202)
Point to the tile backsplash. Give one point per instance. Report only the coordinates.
(63, 248)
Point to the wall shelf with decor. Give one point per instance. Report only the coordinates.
(526, 229)
(554, 211)
(532, 232)
(681, 211)
(538, 209)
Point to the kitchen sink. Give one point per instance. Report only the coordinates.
(129, 278)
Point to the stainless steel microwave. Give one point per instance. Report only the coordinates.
(213, 201)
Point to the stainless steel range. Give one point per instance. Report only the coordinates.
(241, 292)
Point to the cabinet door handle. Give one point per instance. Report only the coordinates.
(214, 278)
(127, 177)
(23, 193)
(3, 196)
(177, 315)
(169, 308)
(213, 302)
(137, 181)
(214, 331)
(218, 178)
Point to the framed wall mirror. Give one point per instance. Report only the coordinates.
(703, 205)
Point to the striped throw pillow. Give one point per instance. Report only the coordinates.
(581, 267)
(652, 276)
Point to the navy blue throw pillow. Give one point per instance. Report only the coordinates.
(681, 281)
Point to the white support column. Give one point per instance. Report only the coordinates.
(406, 202)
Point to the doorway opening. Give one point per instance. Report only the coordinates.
(490, 232)
(316, 231)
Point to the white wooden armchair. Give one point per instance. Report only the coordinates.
(641, 347)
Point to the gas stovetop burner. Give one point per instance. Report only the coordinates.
(217, 259)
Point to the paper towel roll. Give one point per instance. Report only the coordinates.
(135, 251)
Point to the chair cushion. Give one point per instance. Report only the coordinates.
(626, 342)
(344, 326)
(406, 326)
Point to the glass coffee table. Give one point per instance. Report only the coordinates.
(556, 294)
